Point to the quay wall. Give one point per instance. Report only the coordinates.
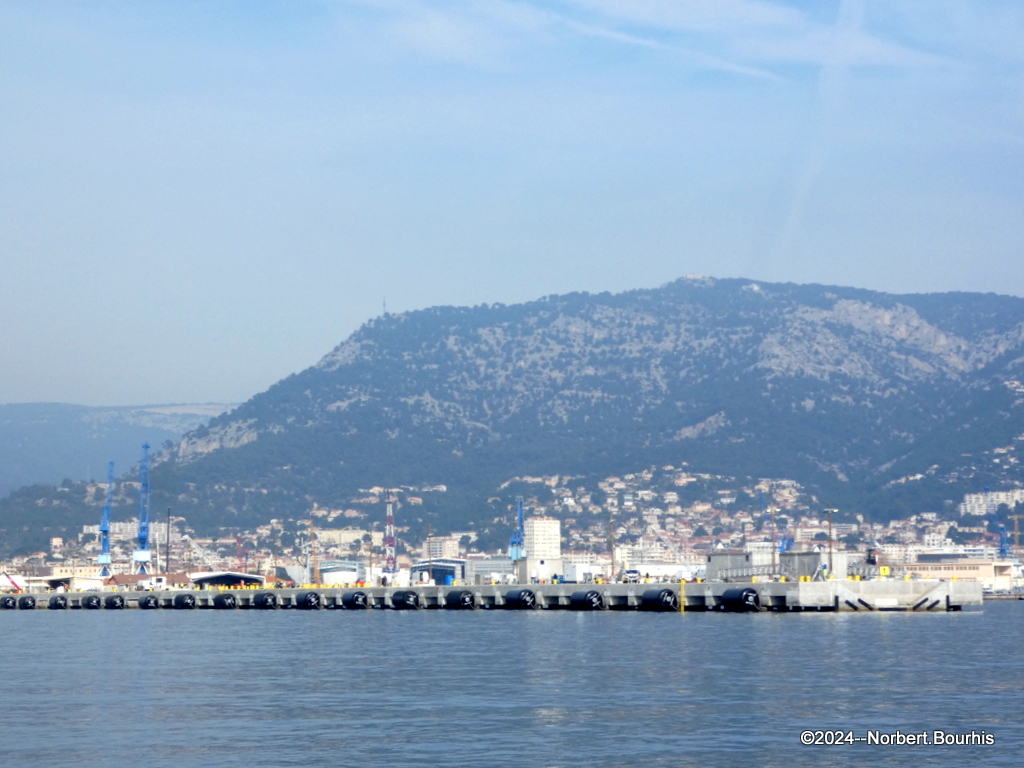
(852, 596)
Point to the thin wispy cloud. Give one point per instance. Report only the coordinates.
(744, 37)
(697, 58)
(754, 33)
(308, 153)
(707, 16)
(481, 33)
(845, 38)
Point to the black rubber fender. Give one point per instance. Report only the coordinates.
(149, 602)
(186, 601)
(225, 601)
(740, 600)
(265, 600)
(8, 602)
(114, 602)
(90, 602)
(523, 599)
(355, 600)
(309, 601)
(58, 603)
(460, 599)
(405, 600)
(587, 600)
(659, 600)
(26, 603)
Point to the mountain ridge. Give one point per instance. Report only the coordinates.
(475, 376)
(843, 389)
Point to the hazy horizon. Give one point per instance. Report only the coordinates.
(193, 406)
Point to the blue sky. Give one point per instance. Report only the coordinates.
(200, 198)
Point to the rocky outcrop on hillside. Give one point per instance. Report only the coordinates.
(844, 389)
(882, 405)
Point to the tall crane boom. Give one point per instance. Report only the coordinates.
(516, 545)
(770, 513)
(104, 557)
(993, 514)
(313, 560)
(1016, 532)
(1004, 542)
(206, 557)
(142, 555)
(390, 563)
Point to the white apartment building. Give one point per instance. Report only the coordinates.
(896, 553)
(543, 538)
(978, 503)
(121, 530)
(932, 540)
(437, 547)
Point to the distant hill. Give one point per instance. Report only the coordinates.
(870, 400)
(46, 443)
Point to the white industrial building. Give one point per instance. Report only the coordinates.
(542, 540)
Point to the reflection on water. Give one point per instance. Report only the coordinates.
(490, 688)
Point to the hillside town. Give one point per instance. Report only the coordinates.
(661, 523)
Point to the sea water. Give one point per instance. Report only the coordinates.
(508, 688)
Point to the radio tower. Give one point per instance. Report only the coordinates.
(104, 558)
(142, 554)
(389, 538)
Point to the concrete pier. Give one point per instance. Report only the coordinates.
(852, 596)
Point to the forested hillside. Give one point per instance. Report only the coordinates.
(870, 400)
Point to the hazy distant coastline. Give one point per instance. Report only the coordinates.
(46, 443)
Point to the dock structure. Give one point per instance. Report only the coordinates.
(779, 596)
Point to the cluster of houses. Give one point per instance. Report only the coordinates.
(660, 523)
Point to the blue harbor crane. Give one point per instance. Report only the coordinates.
(785, 542)
(104, 557)
(993, 514)
(141, 557)
(1004, 543)
(516, 545)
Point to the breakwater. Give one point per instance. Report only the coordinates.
(853, 596)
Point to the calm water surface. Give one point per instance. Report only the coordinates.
(495, 688)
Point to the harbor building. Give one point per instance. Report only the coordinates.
(997, 575)
(485, 570)
(446, 570)
(542, 539)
